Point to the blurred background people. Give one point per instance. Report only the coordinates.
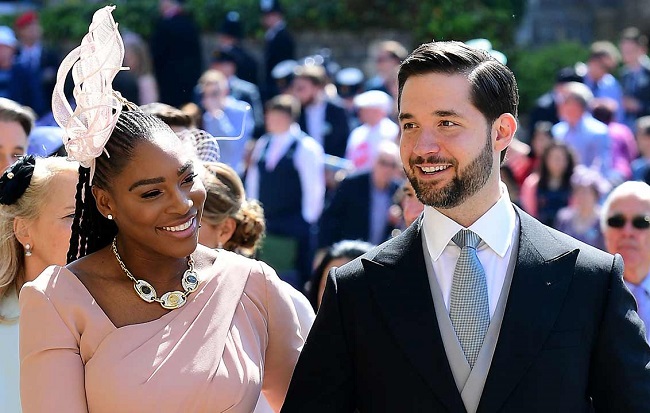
(176, 53)
(43, 59)
(374, 107)
(16, 123)
(279, 44)
(138, 59)
(320, 117)
(545, 192)
(410, 204)
(225, 116)
(641, 165)
(581, 218)
(37, 201)
(387, 58)
(359, 208)
(603, 58)
(334, 256)
(287, 176)
(625, 222)
(229, 37)
(587, 137)
(635, 76)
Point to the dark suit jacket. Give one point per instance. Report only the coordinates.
(337, 127)
(280, 47)
(347, 215)
(570, 339)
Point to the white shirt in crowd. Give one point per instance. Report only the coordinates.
(364, 140)
(309, 161)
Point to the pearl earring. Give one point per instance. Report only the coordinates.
(110, 216)
(28, 250)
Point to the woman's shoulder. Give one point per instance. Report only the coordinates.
(53, 279)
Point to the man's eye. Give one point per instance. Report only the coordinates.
(408, 126)
(447, 123)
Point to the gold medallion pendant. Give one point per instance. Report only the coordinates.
(171, 300)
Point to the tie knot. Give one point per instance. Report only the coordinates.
(466, 238)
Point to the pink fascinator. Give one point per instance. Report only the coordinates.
(93, 65)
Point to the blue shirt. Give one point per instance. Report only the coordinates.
(642, 294)
(590, 140)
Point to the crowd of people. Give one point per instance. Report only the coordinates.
(179, 225)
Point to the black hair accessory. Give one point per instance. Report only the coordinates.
(16, 179)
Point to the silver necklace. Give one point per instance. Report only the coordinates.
(171, 300)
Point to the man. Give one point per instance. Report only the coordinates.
(388, 57)
(224, 117)
(176, 53)
(598, 78)
(16, 123)
(287, 176)
(359, 208)
(42, 60)
(635, 76)
(625, 223)
(586, 136)
(229, 38)
(322, 119)
(278, 43)
(374, 107)
(535, 322)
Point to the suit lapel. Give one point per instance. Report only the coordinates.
(539, 286)
(401, 288)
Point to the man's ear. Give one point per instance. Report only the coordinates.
(505, 126)
(103, 200)
(22, 231)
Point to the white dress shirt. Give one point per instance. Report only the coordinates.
(309, 161)
(315, 121)
(364, 140)
(497, 231)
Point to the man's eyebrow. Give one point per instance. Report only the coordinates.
(446, 113)
(185, 167)
(404, 116)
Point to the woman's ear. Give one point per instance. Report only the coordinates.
(22, 231)
(104, 201)
(226, 229)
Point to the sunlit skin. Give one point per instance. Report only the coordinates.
(157, 189)
(13, 143)
(411, 205)
(633, 244)
(440, 127)
(216, 235)
(49, 234)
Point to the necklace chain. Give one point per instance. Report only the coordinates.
(170, 300)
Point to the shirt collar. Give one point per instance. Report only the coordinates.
(645, 285)
(497, 237)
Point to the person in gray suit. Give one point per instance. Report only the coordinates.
(477, 306)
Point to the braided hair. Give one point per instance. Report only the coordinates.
(91, 231)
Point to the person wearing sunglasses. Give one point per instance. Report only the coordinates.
(625, 223)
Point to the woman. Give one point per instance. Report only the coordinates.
(145, 319)
(36, 210)
(232, 222)
(138, 59)
(581, 219)
(543, 194)
(229, 220)
(336, 255)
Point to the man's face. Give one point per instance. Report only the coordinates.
(304, 90)
(630, 52)
(13, 143)
(446, 144)
(632, 243)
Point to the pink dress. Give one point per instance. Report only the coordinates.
(237, 335)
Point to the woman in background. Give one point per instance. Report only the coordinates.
(138, 59)
(36, 210)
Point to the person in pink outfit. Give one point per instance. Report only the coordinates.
(144, 319)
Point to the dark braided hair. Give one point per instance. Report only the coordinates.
(91, 231)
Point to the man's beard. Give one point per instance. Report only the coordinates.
(465, 184)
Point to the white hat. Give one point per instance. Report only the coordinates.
(283, 69)
(374, 99)
(7, 36)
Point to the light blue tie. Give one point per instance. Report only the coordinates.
(469, 309)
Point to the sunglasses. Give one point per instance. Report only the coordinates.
(638, 222)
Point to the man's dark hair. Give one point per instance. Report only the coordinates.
(493, 86)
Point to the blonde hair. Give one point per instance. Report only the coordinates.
(226, 198)
(28, 206)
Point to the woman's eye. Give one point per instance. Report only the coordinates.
(69, 216)
(151, 194)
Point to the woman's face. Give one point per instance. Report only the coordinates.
(157, 199)
(556, 162)
(50, 232)
(13, 143)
